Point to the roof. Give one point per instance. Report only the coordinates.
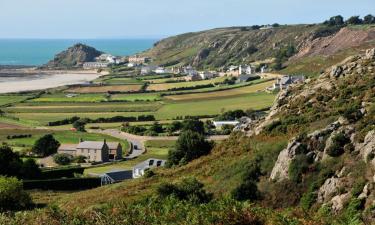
(67, 147)
(91, 145)
(112, 145)
(120, 175)
(152, 162)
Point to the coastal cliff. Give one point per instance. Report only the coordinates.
(73, 57)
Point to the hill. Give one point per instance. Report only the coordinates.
(74, 57)
(324, 175)
(308, 47)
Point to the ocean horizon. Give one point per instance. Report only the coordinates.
(36, 52)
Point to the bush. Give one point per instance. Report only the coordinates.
(62, 159)
(12, 195)
(248, 190)
(12, 165)
(79, 159)
(190, 145)
(194, 125)
(68, 172)
(189, 189)
(46, 145)
(79, 125)
(337, 147)
(297, 167)
(335, 21)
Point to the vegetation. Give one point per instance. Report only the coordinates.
(62, 159)
(46, 145)
(12, 195)
(190, 145)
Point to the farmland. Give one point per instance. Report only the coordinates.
(164, 97)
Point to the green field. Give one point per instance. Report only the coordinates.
(136, 97)
(61, 97)
(168, 86)
(64, 137)
(8, 99)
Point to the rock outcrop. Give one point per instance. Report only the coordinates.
(74, 57)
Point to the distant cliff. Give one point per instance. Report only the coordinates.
(73, 57)
(311, 47)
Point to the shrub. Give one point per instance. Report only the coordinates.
(297, 167)
(149, 173)
(12, 195)
(194, 125)
(79, 125)
(248, 190)
(68, 172)
(335, 21)
(46, 145)
(189, 189)
(12, 165)
(62, 159)
(337, 147)
(79, 159)
(189, 146)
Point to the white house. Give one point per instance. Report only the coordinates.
(139, 169)
(219, 124)
(206, 75)
(147, 69)
(95, 65)
(160, 70)
(285, 81)
(246, 69)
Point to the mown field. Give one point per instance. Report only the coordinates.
(169, 86)
(105, 89)
(225, 93)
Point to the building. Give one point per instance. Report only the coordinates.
(206, 75)
(219, 124)
(247, 77)
(147, 69)
(95, 65)
(193, 77)
(160, 70)
(94, 151)
(138, 60)
(115, 177)
(285, 81)
(139, 170)
(246, 70)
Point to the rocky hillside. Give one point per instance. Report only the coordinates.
(219, 47)
(330, 121)
(74, 57)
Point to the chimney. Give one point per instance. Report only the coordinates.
(105, 141)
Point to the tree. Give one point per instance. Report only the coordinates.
(335, 21)
(10, 162)
(190, 145)
(369, 19)
(79, 125)
(12, 165)
(354, 20)
(193, 125)
(12, 196)
(248, 190)
(46, 145)
(62, 159)
(174, 126)
(156, 128)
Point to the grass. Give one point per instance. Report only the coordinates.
(64, 137)
(84, 107)
(105, 89)
(215, 106)
(168, 86)
(8, 99)
(122, 80)
(225, 93)
(136, 97)
(61, 97)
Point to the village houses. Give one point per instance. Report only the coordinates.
(94, 151)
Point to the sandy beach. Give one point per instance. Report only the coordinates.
(31, 80)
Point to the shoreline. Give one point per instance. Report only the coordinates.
(33, 79)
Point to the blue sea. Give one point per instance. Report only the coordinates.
(35, 52)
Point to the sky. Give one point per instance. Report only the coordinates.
(159, 18)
